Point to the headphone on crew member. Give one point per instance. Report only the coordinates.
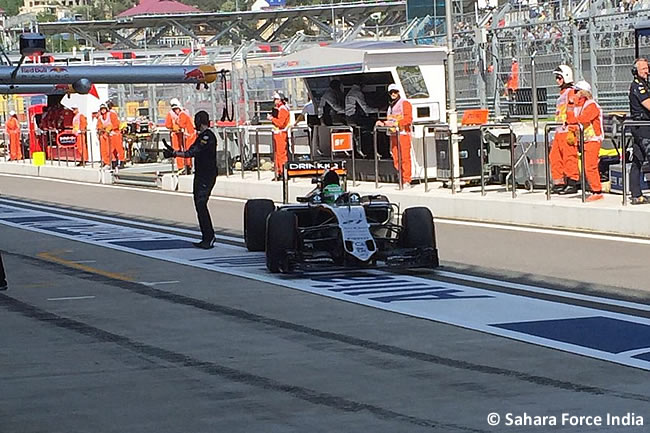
(635, 70)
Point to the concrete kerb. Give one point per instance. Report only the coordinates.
(529, 209)
(80, 174)
(19, 168)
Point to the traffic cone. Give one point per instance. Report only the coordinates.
(3, 277)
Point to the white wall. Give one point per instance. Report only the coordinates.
(87, 105)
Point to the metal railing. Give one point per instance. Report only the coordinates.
(435, 127)
(547, 152)
(257, 146)
(240, 143)
(581, 149)
(50, 147)
(513, 180)
(395, 132)
(349, 129)
(292, 140)
(513, 167)
(627, 124)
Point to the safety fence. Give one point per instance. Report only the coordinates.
(247, 146)
(597, 44)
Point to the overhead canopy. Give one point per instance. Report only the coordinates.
(642, 28)
(355, 57)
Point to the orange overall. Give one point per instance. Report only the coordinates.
(513, 79)
(182, 133)
(280, 138)
(104, 128)
(590, 115)
(79, 127)
(401, 116)
(563, 156)
(117, 144)
(13, 132)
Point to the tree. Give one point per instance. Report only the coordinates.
(227, 6)
(58, 43)
(104, 10)
(45, 17)
(11, 7)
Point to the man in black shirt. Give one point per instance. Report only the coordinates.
(204, 152)
(639, 110)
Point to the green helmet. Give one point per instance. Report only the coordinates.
(331, 193)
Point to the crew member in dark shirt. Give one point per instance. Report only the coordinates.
(204, 152)
(639, 110)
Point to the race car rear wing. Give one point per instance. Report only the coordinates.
(293, 169)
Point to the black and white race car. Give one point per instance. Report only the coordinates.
(343, 229)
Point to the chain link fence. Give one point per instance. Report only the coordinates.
(599, 47)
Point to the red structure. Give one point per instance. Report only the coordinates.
(152, 7)
(52, 132)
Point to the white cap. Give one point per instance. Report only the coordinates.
(175, 103)
(276, 95)
(583, 85)
(12, 113)
(393, 87)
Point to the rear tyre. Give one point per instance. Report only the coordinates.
(418, 231)
(255, 213)
(281, 237)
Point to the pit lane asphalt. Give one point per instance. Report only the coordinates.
(220, 353)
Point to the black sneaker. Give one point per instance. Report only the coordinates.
(557, 188)
(569, 189)
(205, 245)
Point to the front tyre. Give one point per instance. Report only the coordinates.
(418, 232)
(256, 211)
(281, 238)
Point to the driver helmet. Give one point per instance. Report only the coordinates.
(331, 193)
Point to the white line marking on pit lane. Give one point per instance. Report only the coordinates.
(70, 298)
(546, 231)
(153, 283)
(541, 290)
(84, 261)
(635, 352)
(130, 188)
(120, 220)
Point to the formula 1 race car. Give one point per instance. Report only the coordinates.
(332, 227)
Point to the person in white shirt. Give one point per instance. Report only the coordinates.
(356, 105)
(357, 114)
(331, 108)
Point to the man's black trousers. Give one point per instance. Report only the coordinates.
(640, 147)
(202, 190)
